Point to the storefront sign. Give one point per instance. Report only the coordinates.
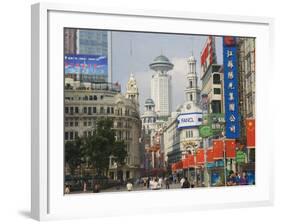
(240, 156)
(205, 131)
(187, 120)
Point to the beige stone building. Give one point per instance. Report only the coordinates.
(86, 102)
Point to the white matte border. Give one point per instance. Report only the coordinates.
(105, 204)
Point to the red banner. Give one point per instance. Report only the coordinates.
(218, 149)
(250, 133)
(210, 156)
(230, 148)
(200, 157)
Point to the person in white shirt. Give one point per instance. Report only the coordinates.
(129, 186)
(182, 181)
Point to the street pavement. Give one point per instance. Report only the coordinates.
(136, 187)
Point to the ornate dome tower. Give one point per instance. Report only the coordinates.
(132, 89)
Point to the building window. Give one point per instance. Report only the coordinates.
(76, 134)
(112, 110)
(66, 110)
(216, 106)
(95, 97)
(89, 110)
(71, 123)
(71, 135)
(108, 110)
(76, 110)
(217, 91)
(216, 79)
(190, 84)
(101, 97)
(94, 110)
(101, 110)
(85, 123)
(66, 135)
(191, 98)
(85, 110)
(76, 123)
(91, 97)
(86, 98)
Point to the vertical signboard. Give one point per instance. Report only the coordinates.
(232, 124)
(208, 55)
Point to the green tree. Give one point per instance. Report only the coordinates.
(102, 145)
(74, 154)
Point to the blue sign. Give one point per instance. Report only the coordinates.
(232, 119)
(86, 65)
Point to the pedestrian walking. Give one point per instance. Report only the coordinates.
(67, 189)
(244, 179)
(186, 183)
(167, 183)
(148, 182)
(182, 181)
(84, 186)
(129, 186)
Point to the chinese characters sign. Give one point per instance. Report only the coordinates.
(86, 65)
(232, 124)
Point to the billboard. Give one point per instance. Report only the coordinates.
(208, 55)
(232, 120)
(187, 120)
(95, 65)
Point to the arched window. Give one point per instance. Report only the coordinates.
(95, 97)
(190, 84)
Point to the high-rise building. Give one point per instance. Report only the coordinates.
(92, 42)
(70, 40)
(161, 90)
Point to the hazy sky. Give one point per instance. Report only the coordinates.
(146, 47)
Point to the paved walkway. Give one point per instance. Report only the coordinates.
(139, 187)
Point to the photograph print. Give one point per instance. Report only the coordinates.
(150, 111)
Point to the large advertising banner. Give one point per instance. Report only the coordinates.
(187, 120)
(208, 55)
(232, 120)
(86, 65)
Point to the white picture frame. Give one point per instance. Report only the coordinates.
(47, 198)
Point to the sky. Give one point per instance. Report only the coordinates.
(132, 52)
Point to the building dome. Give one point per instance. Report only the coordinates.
(161, 63)
(149, 102)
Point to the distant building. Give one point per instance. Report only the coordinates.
(90, 45)
(70, 41)
(161, 90)
(86, 102)
(92, 42)
(247, 80)
(182, 127)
